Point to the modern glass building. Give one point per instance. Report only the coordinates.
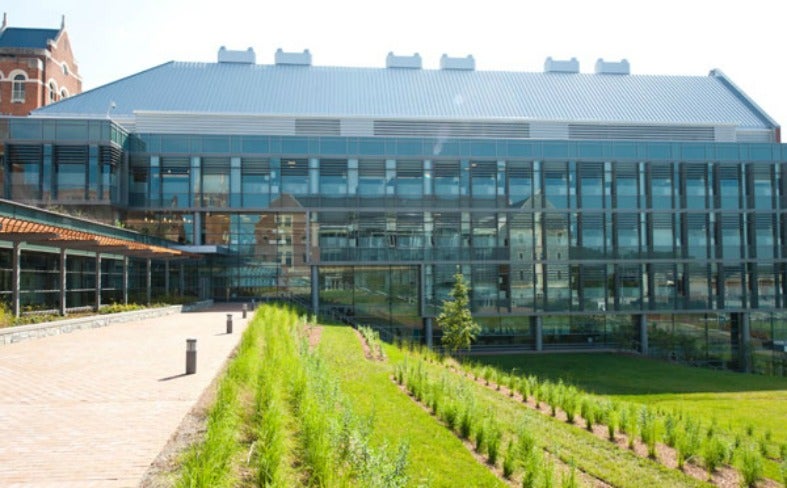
(586, 209)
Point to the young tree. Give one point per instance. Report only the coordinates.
(459, 328)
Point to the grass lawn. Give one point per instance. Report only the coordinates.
(437, 457)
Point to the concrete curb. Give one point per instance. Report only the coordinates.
(10, 335)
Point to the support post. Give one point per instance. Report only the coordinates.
(166, 277)
(191, 356)
(641, 323)
(428, 333)
(15, 280)
(181, 280)
(63, 282)
(98, 281)
(125, 280)
(315, 290)
(148, 284)
(745, 343)
(537, 330)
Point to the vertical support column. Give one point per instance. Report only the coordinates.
(315, 279)
(148, 282)
(745, 343)
(181, 279)
(641, 323)
(537, 331)
(62, 301)
(166, 277)
(125, 280)
(197, 230)
(98, 281)
(15, 281)
(428, 333)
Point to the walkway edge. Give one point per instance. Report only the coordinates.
(10, 335)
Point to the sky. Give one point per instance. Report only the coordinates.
(112, 39)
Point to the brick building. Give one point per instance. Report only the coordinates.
(37, 68)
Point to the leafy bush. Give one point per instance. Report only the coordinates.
(750, 466)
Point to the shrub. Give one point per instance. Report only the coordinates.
(714, 453)
(466, 422)
(480, 437)
(449, 415)
(532, 464)
(569, 478)
(670, 430)
(589, 412)
(509, 460)
(611, 419)
(750, 466)
(494, 436)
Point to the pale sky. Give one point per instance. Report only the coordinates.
(113, 39)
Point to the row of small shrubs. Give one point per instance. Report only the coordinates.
(692, 440)
(372, 338)
(462, 413)
(299, 428)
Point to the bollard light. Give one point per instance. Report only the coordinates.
(229, 323)
(191, 356)
(245, 309)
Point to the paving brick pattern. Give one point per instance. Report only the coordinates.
(93, 408)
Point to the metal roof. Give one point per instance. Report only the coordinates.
(317, 91)
(17, 37)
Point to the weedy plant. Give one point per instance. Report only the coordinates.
(750, 465)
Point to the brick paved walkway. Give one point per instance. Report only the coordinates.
(95, 407)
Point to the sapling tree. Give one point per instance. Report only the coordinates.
(455, 319)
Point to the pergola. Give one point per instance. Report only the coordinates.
(47, 229)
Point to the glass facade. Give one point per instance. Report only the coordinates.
(584, 235)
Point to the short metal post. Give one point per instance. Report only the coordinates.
(229, 323)
(245, 309)
(191, 356)
(253, 304)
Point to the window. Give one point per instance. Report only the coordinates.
(63, 93)
(52, 92)
(65, 69)
(18, 89)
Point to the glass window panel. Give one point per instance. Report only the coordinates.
(556, 185)
(409, 179)
(661, 186)
(697, 188)
(729, 187)
(446, 179)
(295, 176)
(371, 178)
(333, 178)
(731, 239)
(520, 182)
(255, 182)
(697, 242)
(591, 178)
(483, 178)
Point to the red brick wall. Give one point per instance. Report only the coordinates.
(39, 74)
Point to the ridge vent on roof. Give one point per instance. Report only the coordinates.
(239, 57)
(294, 58)
(465, 64)
(612, 67)
(561, 66)
(411, 62)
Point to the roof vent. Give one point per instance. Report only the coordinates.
(612, 67)
(296, 59)
(411, 62)
(463, 64)
(558, 66)
(240, 57)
